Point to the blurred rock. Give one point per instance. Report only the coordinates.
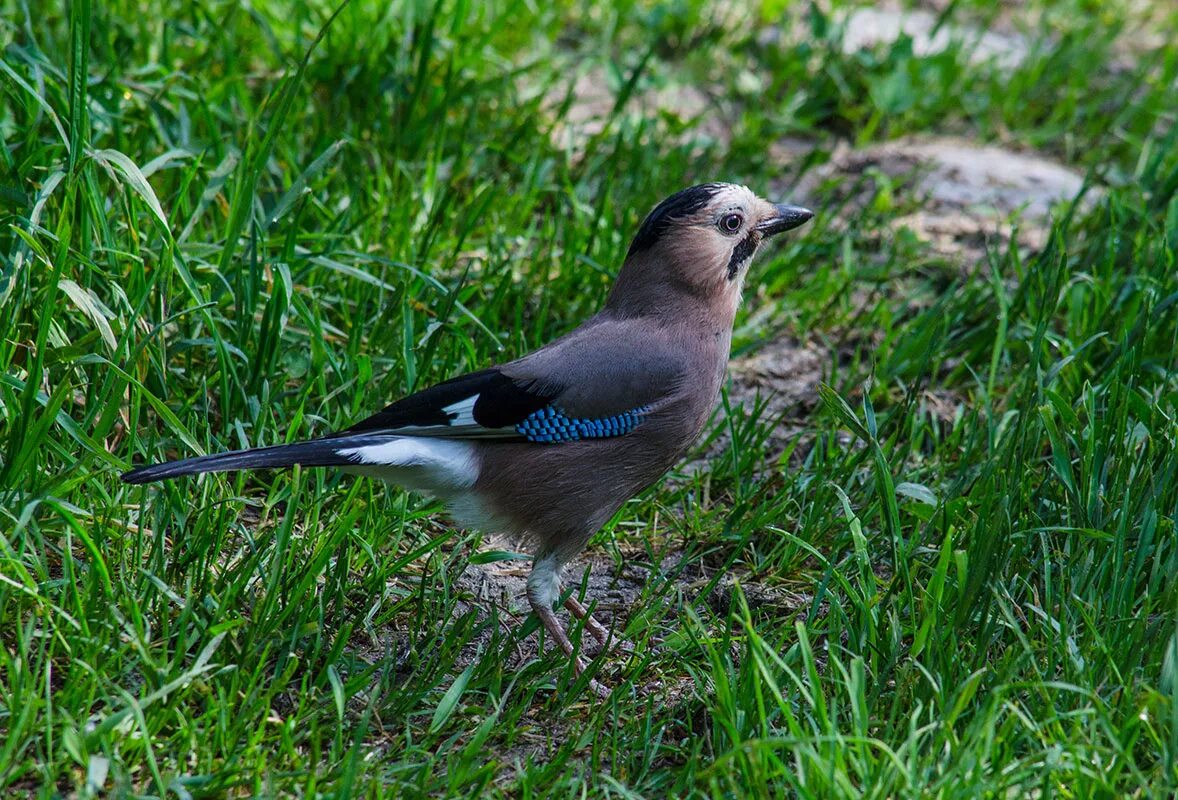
(866, 28)
(966, 194)
(593, 100)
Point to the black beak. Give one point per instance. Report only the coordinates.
(787, 218)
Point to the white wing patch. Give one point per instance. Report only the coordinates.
(462, 424)
(463, 412)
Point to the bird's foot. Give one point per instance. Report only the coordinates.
(604, 636)
(557, 631)
(595, 686)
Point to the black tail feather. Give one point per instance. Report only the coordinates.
(314, 453)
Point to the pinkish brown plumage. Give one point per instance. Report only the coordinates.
(548, 447)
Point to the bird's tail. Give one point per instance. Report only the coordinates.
(328, 452)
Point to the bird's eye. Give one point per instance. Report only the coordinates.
(730, 223)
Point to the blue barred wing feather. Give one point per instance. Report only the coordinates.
(491, 405)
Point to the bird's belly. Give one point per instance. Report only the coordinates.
(570, 490)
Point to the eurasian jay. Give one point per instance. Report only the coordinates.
(548, 447)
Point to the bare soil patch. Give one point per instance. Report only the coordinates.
(780, 382)
(784, 374)
(616, 589)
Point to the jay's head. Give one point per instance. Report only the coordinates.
(700, 242)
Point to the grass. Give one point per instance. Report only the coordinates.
(247, 224)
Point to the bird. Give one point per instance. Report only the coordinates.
(548, 447)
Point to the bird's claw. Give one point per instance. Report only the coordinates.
(594, 685)
(596, 630)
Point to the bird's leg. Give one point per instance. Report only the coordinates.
(543, 592)
(602, 634)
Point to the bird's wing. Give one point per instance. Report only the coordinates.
(484, 404)
(597, 382)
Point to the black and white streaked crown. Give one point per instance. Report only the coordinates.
(683, 203)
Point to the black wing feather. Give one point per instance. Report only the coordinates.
(504, 403)
(501, 403)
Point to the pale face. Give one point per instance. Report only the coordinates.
(724, 236)
(706, 236)
(701, 242)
